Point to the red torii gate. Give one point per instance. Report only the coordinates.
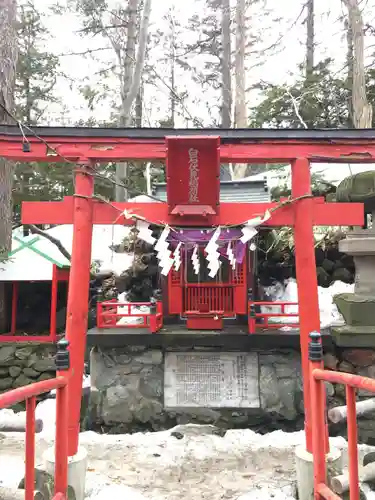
(87, 146)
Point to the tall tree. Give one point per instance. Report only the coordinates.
(321, 104)
(8, 61)
(125, 29)
(240, 115)
(133, 64)
(350, 71)
(37, 68)
(36, 75)
(240, 112)
(362, 109)
(226, 65)
(310, 39)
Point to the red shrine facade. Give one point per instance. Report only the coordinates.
(192, 160)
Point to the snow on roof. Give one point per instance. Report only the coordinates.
(143, 198)
(32, 257)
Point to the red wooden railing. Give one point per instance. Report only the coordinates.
(108, 315)
(29, 394)
(58, 276)
(351, 382)
(262, 320)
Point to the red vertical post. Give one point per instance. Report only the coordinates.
(30, 448)
(317, 391)
(308, 302)
(320, 472)
(61, 439)
(54, 288)
(78, 296)
(13, 324)
(352, 443)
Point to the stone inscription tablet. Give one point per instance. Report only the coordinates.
(211, 380)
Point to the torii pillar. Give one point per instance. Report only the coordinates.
(83, 211)
(308, 299)
(78, 294)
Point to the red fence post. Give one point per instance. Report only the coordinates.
(30, 448)
(252, 318)
(352, 443)
(61, 439)
(29, 393)
(318, 428)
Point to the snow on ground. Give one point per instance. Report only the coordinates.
(160, 466)
(288, 292)
(189, 463)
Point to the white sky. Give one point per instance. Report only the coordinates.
(274, 68)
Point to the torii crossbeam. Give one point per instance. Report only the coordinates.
(86, 146)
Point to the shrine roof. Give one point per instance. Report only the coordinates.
(238, 191)
(32, 257)
(226, 135)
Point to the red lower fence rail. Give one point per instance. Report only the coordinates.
(108, 315)
(262, 319)
(352, 383)
(29, 394)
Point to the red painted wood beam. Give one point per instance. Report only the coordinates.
(78, 297)
(61, 212)
(308, 303)
(54, 292)
(111, 150)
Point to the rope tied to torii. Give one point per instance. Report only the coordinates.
(167, 259)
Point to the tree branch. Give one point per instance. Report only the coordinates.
(55, 241)
(296, 109)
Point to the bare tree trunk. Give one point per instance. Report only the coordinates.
(121, 193)
(310, 39)
(172, 93)
(8, 62)
(240, 114)
(133, 68)
(349, 62)
(128, 62)
(136, 77)
(362, 110)
(139, 108)
(226, 108)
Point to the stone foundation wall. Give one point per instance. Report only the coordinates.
(23, 364)
(128, 385)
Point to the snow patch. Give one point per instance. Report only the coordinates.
(268, 493)
(117, 492)
(129, 320)
(288, 292)
(241, 465)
